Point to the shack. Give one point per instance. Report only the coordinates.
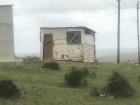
(67, 43)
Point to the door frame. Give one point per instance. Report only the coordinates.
(49, 34)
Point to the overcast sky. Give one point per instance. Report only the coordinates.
(99, 15)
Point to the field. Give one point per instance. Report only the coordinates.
(46, 87)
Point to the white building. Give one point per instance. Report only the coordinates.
(68, 43)
(7, 53)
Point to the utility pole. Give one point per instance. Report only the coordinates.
(138, 32)
(118, 33)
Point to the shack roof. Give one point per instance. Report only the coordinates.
(78, 27)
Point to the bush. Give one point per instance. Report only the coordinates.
(8, 89)
(118, 86)
(76, 77)
(51, 65)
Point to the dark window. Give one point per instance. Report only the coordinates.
(73, 37)
(87, 31)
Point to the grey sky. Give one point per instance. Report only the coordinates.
(99, 15)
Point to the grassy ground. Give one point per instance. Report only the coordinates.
(46, 87)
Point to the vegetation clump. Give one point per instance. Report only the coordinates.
(8, 89)
(77, 77)
(118, 86)
(51, 65)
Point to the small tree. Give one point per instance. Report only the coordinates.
(76, 77)
(118, 86)
(8, 89)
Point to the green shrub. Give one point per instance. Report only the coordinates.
(118, 86)
(76, 77)
(51, 65)
(8, 89)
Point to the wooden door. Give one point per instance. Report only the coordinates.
(48, 46)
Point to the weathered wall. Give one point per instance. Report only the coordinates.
(6, 34)
(88, 53)
(63, 51)
(89, 48)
